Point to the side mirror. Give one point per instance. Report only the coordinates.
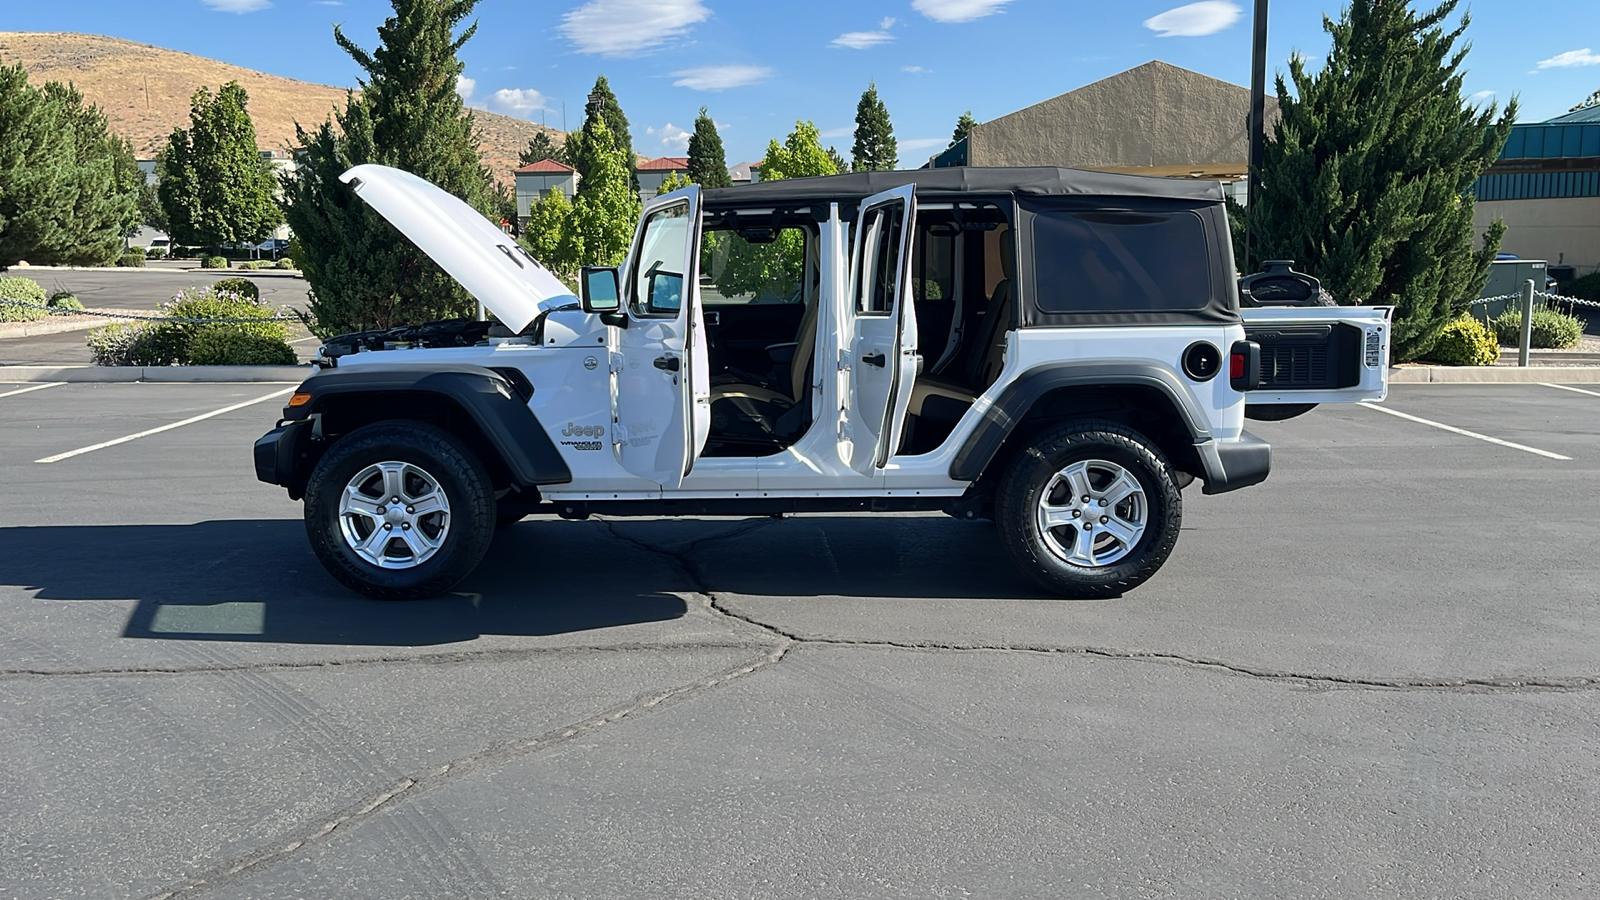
(666, 292)
(599, 289)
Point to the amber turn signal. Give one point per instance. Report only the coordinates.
(301, 398)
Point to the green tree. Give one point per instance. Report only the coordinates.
(838, 160)
(800, 155)
(774, 268)
(607, 205)
(215, 186)
(539, 148)
(708, 166)
(875, 149)
(364, 273)
(1367, 181)
(545, 235)
(964, 126)
(583, 153)
(674, 181)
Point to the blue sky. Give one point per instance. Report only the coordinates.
(760, 66)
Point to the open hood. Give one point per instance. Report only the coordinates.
(487, 261)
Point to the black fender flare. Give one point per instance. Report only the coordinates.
(1013, 404)
(496, 404)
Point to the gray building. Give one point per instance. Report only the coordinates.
(535, 182)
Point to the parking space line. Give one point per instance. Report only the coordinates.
(189, 421)
(32, 387)
(1462, 431)
(1559, 387)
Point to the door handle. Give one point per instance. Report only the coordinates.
(668, 363)
(876, 359)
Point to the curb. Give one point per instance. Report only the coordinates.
(157, 374)
(1495, 375)
(55, 323)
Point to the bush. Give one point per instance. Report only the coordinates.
(131, 261)
(284, 263)
(1552, 329)
(1585, 288)
(218, 345)
(120, 344)
(171, 343)
(244, 287)
(156, 253)
(65, 300)
(248, 266)
(24, 290)
(214, 262)
(1465, 342)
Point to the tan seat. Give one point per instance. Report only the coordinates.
(988, 354)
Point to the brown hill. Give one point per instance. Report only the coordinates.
(145, 90)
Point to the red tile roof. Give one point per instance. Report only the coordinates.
(546, 167)
(666, 164)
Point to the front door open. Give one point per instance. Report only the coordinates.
(660, 378)
(881, 337)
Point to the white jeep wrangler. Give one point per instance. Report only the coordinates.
(1058, 351)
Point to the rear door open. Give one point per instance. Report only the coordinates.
(1319, 354)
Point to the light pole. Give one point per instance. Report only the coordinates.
(1258, 114)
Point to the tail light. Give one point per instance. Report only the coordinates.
(1244, 366)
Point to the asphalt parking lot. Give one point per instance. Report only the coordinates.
(1377, 674)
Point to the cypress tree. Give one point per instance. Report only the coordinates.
(539, 148)
(708, 166)
(1367, 181)
(875, 148)
(215, 187)
(364, 273)
(604, 109)
(607, 206)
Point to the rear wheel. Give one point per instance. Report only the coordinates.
(1089, 509)
(399, 510)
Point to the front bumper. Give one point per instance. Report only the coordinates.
(283, 456)
(1231, 465)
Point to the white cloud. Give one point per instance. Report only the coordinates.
(957, 10)
(861, 40)
(465, 86)
(720, 78)
(922, 143)
(518, 101)
(887, 23)
(1195, 19)
(330, 2)
(1584, 57)
(672, 137)
(629, 27)
(1481, 95)
(238, 6)
(846, 131)
(916, 70)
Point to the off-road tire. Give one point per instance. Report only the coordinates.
(458, 472)
(1276, 412)
(1033, 471)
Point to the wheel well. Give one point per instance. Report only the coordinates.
(344, 413)
(1143, 408)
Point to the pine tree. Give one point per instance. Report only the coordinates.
(603, 108)
(708, 166)
(964, 126)
(215, 187)
(840, 166)
(1367, 181)
(364, 273)
(105, 181)
(540, 148)
(875, 148)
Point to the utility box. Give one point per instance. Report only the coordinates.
(1506, 276)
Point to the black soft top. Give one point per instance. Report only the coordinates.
(1037, 181)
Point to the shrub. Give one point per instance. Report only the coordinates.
(248, 266)
(131, 261)
(218, 345)
(156, 253)
(1552, 329)
(121, 344)
(244, 287)
(296, 255)
(285, 263)
(214, 262)
(1585, 288)
(65, 300)
(23, 290)
(1465, 342)
(168, 343)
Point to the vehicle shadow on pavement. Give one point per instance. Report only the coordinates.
(257, 581)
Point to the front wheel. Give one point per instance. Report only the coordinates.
(399, 510)
(1089, 509)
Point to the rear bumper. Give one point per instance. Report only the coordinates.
(281, 456)
(1231, 465)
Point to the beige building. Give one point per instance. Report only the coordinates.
(1154, 119)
